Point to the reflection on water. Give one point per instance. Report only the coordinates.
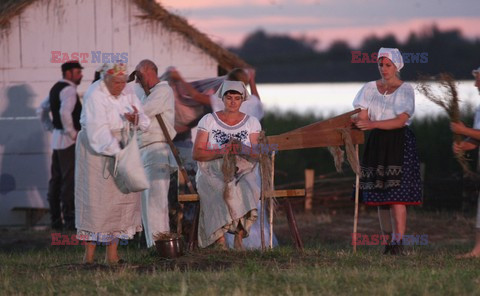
(336, 98)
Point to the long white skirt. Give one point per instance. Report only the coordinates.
(102, 211)
(218, 216)
(254, 240)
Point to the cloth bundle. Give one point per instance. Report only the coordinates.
(129, 172)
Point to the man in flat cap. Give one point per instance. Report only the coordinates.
(65, 107)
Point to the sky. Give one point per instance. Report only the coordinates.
(228, 22)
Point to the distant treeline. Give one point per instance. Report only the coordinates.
(281, 58)
(444, 186)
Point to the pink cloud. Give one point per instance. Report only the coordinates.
(221, 3)
(232, 31)
(470, 28)
(222, 23)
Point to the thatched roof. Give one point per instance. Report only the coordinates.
(155, 12)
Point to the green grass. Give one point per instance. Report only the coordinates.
(327, 266)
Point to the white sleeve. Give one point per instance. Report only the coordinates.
(98, 128)
(361, 100)
(202, 124)
(43, 111)
(406, 104)
(68, 99)
(161, 101)
(255, 126)
(253, 107)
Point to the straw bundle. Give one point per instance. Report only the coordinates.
(339, 155)
(449, 101)
(229, 167)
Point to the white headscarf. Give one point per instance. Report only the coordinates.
(232, 85)
(393, 54)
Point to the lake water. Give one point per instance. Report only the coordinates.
(336, 98)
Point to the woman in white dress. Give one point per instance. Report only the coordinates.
(236, 211)
(105, 215)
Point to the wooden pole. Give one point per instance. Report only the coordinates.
(292, 223)
(175, 153)
(193, 232)
(355, 216)
(262, 220)
(271, 201)
(180, 213)
(309, 182)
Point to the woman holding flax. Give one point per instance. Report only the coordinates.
(228, 202)
(390, 170)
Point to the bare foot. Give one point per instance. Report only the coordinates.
(469, 255)
(221, 243)
(112, 260)
(237, 241)
(89, 255)
(88, 260)
(111, 256)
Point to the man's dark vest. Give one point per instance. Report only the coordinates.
(55, 106)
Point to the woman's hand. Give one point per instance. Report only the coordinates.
(365, 124)
(457, 127)
(463, 146)
(132, 117)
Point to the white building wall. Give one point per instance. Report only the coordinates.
(27, 74)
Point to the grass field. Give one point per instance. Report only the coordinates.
(30, 265)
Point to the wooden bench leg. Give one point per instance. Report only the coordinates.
(292, 223)
(193, 235)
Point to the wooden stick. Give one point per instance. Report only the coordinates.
(271, 201)
(180, 213)
(193, 232)
(355, 216)
(175, 153)
(262, 220)
(293, 226)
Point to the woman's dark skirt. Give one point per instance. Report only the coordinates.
(390, 174)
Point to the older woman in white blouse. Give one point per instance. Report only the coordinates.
(390, 170)
(105, 215)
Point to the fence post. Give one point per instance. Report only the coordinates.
(309, 180)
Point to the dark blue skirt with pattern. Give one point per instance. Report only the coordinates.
(390, 174)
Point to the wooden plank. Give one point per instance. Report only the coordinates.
(187, 197)
(286, 193)
(277, 194)
(313, 139)
(340, 121)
